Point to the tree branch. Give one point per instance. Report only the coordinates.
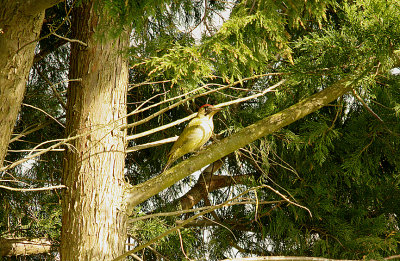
(33, 7)
(145, 133)
(33, 189)
(298, 258)
(141, 192)
(151, 144)
(24, 246)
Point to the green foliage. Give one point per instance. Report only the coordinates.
(341, 162)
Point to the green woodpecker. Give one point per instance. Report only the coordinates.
(195, 134)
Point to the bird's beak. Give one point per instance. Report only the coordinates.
(214, 110)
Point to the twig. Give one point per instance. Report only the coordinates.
(132, 86)
(288, 200)
(181, 243)
(180, 212)
(36, 108)
(188, 99)
(163, 127)
(252, 96)
(70, 40)
(47, 35)
(33, 189)
(151, 144)
(34, 150)
(30, 129)
(142, 134)
(366, 106)
(56, 93)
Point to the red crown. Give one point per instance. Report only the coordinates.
(206, 105)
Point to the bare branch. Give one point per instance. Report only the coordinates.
(169, 125)
(35, 150)
(24, 246)
(288, 200)
(33, 189)
(56, 93)
(30, 129)
(366, 106)
(70, 40)
(36, 108)
(163, 127)
(300, 258)
(187, 99)
(151, 144)
(252, 96)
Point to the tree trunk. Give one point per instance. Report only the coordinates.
(20, 24)
(93, 221)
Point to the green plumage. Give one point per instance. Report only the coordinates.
(196, 134)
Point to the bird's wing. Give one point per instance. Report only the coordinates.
(189, 134)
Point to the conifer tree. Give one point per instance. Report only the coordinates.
(307, 159)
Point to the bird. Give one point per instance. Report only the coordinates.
(196, 134)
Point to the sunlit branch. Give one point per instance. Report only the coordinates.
(188, 99)
(50, 116)
(33, 189)
(30, 129)
(151, 144)
(169, 125)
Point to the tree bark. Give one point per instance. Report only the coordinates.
(24, 246)
(94, 221)
(141, 192)
(20, 25)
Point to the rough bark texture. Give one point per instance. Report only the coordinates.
(17, 29)
(93, 221)
(20, 24)
(139, 193)
(24, 246)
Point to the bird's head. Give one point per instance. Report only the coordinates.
(207, 110)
